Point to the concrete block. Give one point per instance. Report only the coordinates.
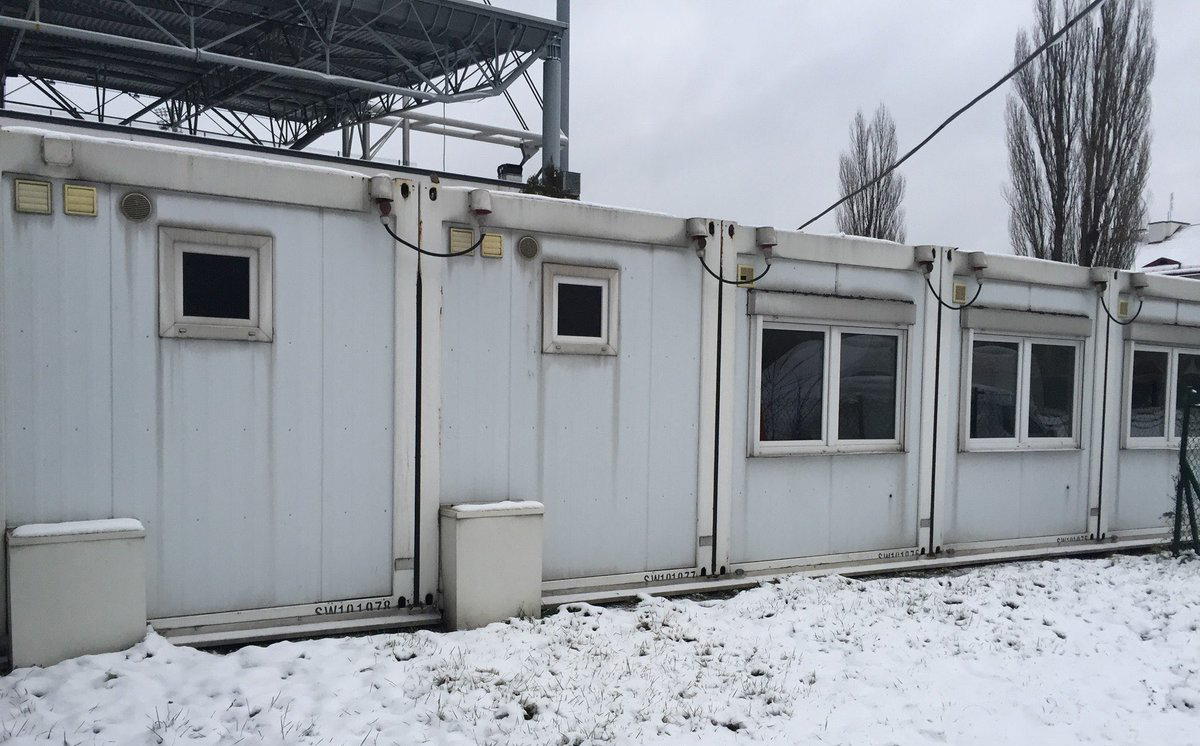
(75, 589)
(491, 562)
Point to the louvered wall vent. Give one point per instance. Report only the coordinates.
(136, 206)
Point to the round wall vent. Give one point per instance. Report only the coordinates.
(136, 206)
(527, 247)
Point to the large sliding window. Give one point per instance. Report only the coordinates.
(1160, 381)
(1021, 393)
(827, 388)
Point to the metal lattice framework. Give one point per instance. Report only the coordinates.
(1187, 489)
(280, 72)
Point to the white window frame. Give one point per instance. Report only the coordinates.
(830, 394)
(608, 279)
(1169, 440)
(173, 323)
(1022, 440)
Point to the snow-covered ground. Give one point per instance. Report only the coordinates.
(1059, 652)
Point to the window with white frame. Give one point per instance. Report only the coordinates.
(580, 308)
(1160, 379)
(1021, 392)
(827, 388)
(214, 285)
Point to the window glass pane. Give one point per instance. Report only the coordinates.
(1051, 391)
(994, 389)
(216, 285)
(793, 382)
(1189, 379)
(580, 310)
(867, 387)
(1148, 395)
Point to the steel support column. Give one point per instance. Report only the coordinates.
(564, 15)
(552, 109)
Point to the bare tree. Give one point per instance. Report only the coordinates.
(1078, 135)
(876, 212)
(1116, 124)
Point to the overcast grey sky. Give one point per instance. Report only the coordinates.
(739, 110)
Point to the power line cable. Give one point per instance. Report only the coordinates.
(740, 283)
(951, 306)
(1050, 41)
(1115, 320)
(426, 252)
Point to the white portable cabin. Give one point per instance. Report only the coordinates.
(1155, 361)
(288, 454)
(263, 456)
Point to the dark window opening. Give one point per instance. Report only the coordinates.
(1148, 395)
(1051, 391)
(1189, 381)
(867, 387)
(580, 310)
(216, 286)
(994, 389)
(793, 385)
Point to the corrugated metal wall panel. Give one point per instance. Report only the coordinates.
(810, 505)
(672, 420)
(1014, 495)
(54, 354)
(137, 426)
(240, 466)
(478, 348)
(358, 394)
(607, 443)
(1146, 489)
(263, 472)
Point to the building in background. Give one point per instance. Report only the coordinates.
(1172, 247)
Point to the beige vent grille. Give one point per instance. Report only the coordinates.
(79, 200)
(32, 196)
(492, 246)
(461, 239)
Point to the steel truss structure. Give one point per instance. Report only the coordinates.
(281, 73)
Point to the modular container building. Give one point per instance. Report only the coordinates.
(231, 348)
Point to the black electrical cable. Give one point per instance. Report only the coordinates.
(426, 252)
(1050, 41)
(944, 304)
(1141, 302)
(719, 278)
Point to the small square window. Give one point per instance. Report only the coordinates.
(214, 285)
(579, 310)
